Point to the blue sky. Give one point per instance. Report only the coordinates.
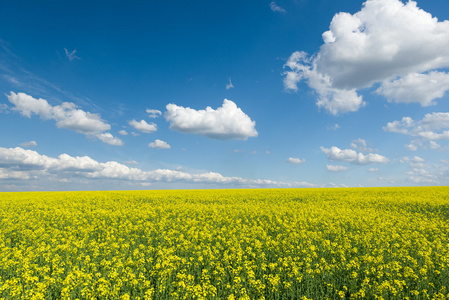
(100, 95)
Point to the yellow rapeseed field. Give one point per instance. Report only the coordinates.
(374, 243)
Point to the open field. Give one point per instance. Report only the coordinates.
(374, 243)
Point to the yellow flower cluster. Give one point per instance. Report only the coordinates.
(375, 243)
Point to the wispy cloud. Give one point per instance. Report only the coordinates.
(14, 71)
(29, 144)
(4, 108)
(71, 55)
(153, 113)
(333, 127)
(12, 79)
(229, 85)
(276, 8)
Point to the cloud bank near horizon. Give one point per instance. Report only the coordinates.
(23, 164)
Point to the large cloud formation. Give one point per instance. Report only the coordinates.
(398, 45)
(67, 115)
(22, 164)
(226, 122)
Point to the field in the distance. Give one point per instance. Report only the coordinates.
(374, 243)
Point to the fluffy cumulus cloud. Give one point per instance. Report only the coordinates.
(22, 164)
(158, 144)
(109, 139)
(225, 122)
(414, 87)
(332, 99)
(334, 168)
(143, 126)
(295, 161)
(398, 45)
(433, 127)
(350, 155)
(67, 115)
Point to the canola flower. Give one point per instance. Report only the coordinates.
(364, 243)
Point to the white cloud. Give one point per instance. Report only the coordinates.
(143, 126)
(421, 173)
(402, 126)
(416, 161)
(158, 144)
(21, 159)
(229, 85)
(153, 113)
(360, 144)
(350, 155)
(123, 132)
(130, 162)
(109, 139)
(332, 99)
(373, 170)
(385, 42)
(334, 127)
(28, 105)
(333, 168)
(275, 7)
(226, 122)
(4, 109)
(419, 88)
(9, 174)
(29, 144)
(71, 55)
(433, 127)
(67, 115)
(411, 147)
(12, 79)
(434, 145)
(21, 164)
(295, 161)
